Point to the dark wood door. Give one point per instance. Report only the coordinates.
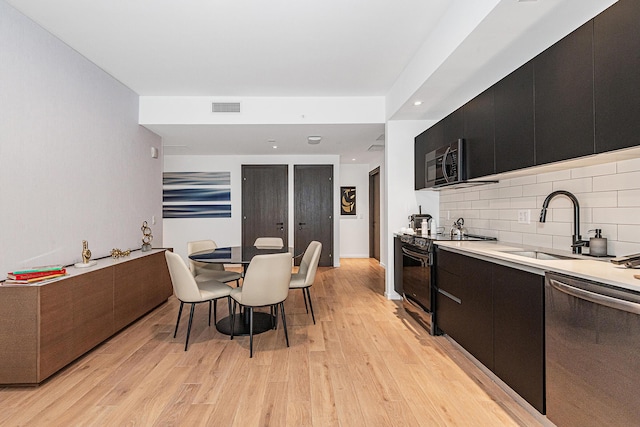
(479, 135)
(617, 80)
(563, 78)
(374, 214)
(513, 101)
(264, 202)
(313, 212)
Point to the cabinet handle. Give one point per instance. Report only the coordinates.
(448, 295)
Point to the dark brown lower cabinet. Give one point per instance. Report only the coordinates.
(518, 332)
(496, 313)
(463, 304)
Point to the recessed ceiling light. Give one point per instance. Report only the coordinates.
(314, 139)
(353, 159)
(417, 103)
(275, 146)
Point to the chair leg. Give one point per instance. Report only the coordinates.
(311, 305)
(304, 294)
(193, 306)
(215, 312)
(284, 323)
(229, 306)
(271, 307)
(209, 312)
(178, 321)
(233, 318)
(250, 331)
(275, 317)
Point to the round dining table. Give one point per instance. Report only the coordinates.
(242, 255)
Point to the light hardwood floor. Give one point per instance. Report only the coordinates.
(365, 363)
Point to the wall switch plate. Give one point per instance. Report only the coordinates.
(524, 216)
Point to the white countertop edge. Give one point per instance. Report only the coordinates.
(598, 270)
(101, 263)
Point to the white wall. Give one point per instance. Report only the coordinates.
(609, 197)
(74, 163)
(354, 230)
(228, 231)
(401, 200)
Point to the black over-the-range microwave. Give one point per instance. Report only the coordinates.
(445, 165)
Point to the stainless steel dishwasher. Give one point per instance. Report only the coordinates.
(592, 353)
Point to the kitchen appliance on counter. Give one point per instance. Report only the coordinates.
(416, 221)
(592, 353)
(458, 231)
(418, 285)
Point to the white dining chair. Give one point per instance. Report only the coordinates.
(188, 291)
(306, 274)
(265, 284)
(269, 242)
(204, 271)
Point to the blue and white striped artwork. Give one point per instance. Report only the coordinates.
(196, 195)
(196, 211)
(196, 178)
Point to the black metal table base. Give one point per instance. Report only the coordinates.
(262, 322)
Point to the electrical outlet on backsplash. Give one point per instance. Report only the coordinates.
(608, 194)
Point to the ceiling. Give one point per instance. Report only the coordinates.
(303, 48)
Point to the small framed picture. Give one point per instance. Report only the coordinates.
(347, 200)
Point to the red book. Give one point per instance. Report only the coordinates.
(35, 274)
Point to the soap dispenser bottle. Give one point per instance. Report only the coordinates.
(597, 244)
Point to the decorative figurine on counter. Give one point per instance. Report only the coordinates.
(118, 253)
(86, 253)
(147, 237)
(86, 256)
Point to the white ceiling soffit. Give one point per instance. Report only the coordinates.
(349, 141)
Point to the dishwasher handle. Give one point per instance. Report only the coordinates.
(615, 303)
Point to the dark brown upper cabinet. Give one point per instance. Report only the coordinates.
(479, 135)
(426, 142)
(563, 85)
(452, 127)
(513, 99)
(617, 76)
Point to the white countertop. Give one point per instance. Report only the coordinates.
(101, 263)
(599, 270)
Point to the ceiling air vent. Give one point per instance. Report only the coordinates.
(226, 107)
(376, 147)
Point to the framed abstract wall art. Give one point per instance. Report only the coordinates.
(196, 195)
(347, 200)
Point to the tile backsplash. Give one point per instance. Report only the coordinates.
(608, 194)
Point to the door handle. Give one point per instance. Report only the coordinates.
(280, 225)
(300, 224)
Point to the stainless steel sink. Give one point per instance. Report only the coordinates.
(539, 255)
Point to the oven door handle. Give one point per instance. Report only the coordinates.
(423, 259)
(444, 164)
